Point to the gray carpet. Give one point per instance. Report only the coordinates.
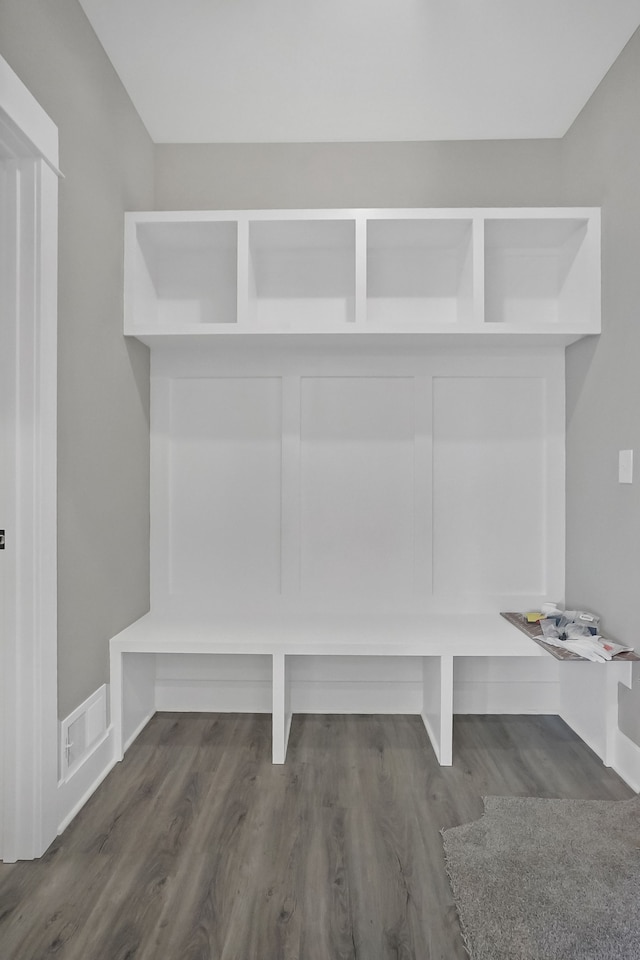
(538, 879)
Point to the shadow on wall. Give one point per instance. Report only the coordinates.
(139, 361)
(581, 356)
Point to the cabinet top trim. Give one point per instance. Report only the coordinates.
(372, 213)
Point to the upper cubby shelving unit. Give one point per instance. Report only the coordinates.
(512, 274)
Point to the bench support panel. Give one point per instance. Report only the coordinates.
(132, 696)
(281, 708)
(437, 705)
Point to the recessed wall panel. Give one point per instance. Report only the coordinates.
(357, 477)
(489, 485)
(225, 465)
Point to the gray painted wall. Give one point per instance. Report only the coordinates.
(281, 176)
(107, 158)
(600, 166)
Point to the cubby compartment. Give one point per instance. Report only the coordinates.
(500, 274)
(419, 272)
(301, 274)
(540, 272)
(185, 275)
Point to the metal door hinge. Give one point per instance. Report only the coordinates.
(1, 539)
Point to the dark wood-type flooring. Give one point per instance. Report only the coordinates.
(197, 848)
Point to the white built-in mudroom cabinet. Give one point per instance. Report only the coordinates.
(357, 461)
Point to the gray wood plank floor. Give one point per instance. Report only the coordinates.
(197, 848)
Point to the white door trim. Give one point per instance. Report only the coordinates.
(22, 113)
(28, 628)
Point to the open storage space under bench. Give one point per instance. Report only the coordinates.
(436, 639)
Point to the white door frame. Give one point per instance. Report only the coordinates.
(28, 404)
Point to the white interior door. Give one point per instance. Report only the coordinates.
(28, 576)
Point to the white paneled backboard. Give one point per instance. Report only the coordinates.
(356, 482)
(489, 485)
(223, 487)
(401, 483)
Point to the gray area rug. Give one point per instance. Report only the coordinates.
(538, 879)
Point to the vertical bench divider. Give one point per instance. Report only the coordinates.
(280, 708)
(360, 313)
(437, 705)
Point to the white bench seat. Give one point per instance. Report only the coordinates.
(437, 639)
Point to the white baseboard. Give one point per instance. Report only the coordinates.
(213, 696)
(351, 696)
(537, 697)
(82, 783)
(254, 696)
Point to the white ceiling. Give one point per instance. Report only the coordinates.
(325, 70)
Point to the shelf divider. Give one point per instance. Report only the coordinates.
(478, 270)
(245, 274)
(361, 273)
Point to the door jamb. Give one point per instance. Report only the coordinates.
(28, 655)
